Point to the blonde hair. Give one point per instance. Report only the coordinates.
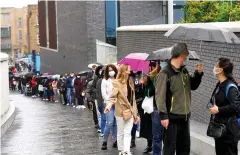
(154, 72)
(122, 76)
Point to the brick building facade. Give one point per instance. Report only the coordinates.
(79, 24)
(33, 28)
(150, 38)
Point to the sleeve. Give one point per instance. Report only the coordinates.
(113, 97)
(234, 106)
(196, 80)
(94, 83)
(160, 95)
(104, 90)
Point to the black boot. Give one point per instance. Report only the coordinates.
(104, 146)
(133, 144)
(148, 150)
(115, 144)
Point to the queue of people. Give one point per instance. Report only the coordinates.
(120, 99)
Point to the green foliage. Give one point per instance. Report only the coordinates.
(211, 11)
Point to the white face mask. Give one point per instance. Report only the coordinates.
(214, 70)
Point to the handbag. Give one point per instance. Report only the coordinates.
(147, 104)
(127, 114)
(215, 129)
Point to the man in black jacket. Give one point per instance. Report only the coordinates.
(173, 98)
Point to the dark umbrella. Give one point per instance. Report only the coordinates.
(165, 54)
(202, 32)
(30, 74)
(82, 73)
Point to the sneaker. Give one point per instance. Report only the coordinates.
(99, 130)
(115, 145)
(101, 135)
(74, 106)
(83, 107)
(68, 104)
(121, 153)
(56, 101)
(148, 150)
(104, 146)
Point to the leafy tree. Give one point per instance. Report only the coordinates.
(211, 11)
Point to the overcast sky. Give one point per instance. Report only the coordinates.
(16, 3)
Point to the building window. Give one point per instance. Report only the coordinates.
(6, 16)
(38, 39)
(112, 20)
(19, 22)
(19, 34)
(178, 13)
(37, 20)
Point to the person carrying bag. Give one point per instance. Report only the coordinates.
(224, 108)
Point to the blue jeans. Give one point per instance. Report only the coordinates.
(111, 125)
(103, 120)
(157, 133)
(69, 95)
(45, 93)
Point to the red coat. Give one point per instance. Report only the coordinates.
(34, 83)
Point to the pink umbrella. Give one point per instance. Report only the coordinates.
(137, 61)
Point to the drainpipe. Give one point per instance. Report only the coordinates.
(28, 27)
(170, 11)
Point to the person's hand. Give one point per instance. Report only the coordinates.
(214, 109)
(165, 123)
(136, 119)
(108, 108)
(199, 68)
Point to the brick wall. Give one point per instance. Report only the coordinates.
(128, 42)
(139, 12)
(79, 24)
(33, 28)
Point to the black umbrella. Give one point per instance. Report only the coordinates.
(202, 32)
(165, 54)
(30, 74)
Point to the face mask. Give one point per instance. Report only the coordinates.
(214, 71)
(186, 62)
(100, 72)
(71, 75)
(163, 64)
(78, 76)
(111, 73)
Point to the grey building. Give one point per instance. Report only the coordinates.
(6, 45)
(71, 44)
(150, 38)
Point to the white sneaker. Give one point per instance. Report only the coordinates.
(99, 131)
(101, 135)
(121, 153)
(68, 104)
(74, 106)
(83, 107)
(79, 107)
(56, 101)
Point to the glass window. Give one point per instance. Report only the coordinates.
(179, 3)
(19, 34)
(111, 18)
(178, 15)
(19, 22)
(6, 16)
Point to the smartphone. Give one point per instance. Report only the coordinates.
(209, 105)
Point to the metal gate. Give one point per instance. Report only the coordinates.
(106, 53)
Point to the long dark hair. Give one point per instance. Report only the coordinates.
(106, 72)
(227, 67)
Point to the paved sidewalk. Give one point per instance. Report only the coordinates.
(42, 128)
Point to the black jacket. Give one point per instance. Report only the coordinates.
(228, 107)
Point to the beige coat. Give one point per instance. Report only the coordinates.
(120, 100)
